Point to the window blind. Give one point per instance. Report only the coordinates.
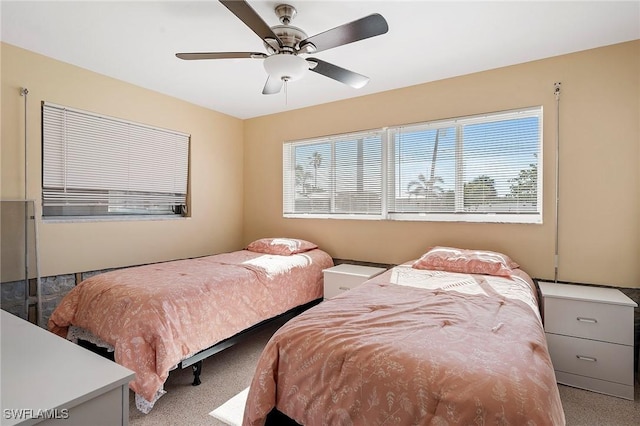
(483, 168)
(422, 168)
(334, 175)
(94, 160)
(480, 165)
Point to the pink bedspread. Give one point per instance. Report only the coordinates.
(413, 347)
(157, 315)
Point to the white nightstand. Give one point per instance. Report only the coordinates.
(589, 332)
(345, 276)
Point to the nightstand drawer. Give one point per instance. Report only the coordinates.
(590, 358)
(591, 320)
(345, 277)
(334, 285)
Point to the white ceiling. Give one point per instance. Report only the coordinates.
(136, 41)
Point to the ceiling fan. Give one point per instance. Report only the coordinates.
(284, 43)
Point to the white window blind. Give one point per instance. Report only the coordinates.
(334, 176)
(416, 153)
(103, 165)
(483, 168)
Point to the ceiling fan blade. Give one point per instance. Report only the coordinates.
(220, 55)
(335, 72)
(272, 86)
(246, 14)
(369, 26)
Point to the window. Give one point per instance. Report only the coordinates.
(475, 169)
(101, 166)
(335, 176)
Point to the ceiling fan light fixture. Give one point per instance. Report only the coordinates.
(285, 67)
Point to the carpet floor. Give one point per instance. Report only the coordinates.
(229, 372)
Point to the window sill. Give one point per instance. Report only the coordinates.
(123, 218)
(535, 219)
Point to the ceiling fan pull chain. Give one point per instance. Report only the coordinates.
(286, 93)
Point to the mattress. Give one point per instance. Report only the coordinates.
(156, 315)
(413, 346)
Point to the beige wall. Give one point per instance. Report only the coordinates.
(599, 148)
(599, 220)
(216, 180)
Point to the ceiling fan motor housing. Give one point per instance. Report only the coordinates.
(290, 37)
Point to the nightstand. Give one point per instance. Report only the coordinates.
(345, 276)
(589, 332)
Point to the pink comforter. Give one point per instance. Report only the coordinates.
(157, 315)
(413, 347)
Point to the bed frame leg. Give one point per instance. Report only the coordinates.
(197, 369)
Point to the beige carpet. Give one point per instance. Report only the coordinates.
(228, 373)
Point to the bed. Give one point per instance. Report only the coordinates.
(160, 316)
(454, 337)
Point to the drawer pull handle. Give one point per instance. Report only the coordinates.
(344, 288)
(589, 320)
(586, 358)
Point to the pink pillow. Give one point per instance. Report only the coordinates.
(466, 261)
(281, 246)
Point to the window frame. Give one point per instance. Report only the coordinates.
(389, 176)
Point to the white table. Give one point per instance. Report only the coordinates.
(50, 381)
